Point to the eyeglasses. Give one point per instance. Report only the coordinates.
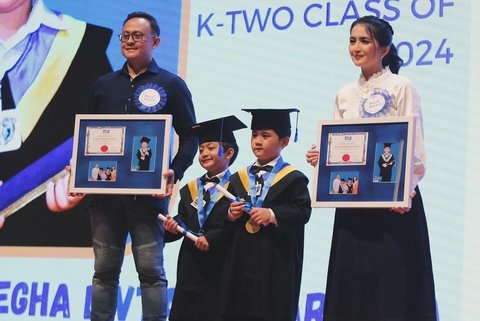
(136, 36)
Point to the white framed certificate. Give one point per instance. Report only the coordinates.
(120, 153)
(363, 163)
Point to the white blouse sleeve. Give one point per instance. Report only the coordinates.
(409, 105)
(336, 110)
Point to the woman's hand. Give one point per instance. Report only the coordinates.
(403, 210)
(400, 210)
(312, 156)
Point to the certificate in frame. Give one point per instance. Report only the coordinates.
(363, 163)
(120, 154)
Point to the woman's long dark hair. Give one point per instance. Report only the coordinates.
(382, 31)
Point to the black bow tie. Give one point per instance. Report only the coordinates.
(255, 168)
(204, 179)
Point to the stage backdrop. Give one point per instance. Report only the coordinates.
(283, 54)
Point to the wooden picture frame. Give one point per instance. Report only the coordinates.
(354, 168)
(120, 154)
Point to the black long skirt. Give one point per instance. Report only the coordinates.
(380, 266)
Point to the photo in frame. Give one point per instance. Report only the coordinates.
(120, 154)
(363, 163)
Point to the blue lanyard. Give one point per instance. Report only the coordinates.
(258, 201)
(202, 212)
(23, 73)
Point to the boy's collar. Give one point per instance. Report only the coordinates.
(219, 175)
(273, 162)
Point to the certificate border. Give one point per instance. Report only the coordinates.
(122, 149)
(364, 153)
(75, 186)
(323, 125)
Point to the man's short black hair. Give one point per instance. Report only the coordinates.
(140, 14)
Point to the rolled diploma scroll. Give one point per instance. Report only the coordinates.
(227, 194)
(248, 205)
(180, 229)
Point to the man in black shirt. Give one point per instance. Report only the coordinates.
(139, 87)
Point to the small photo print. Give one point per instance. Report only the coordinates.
(386, 170)
(344, 182)
(102, 171)
(143, 155)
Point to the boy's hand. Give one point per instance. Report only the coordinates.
(312, 156)
(170, 225)
(202, 244)
(260, 215)
(235, 211)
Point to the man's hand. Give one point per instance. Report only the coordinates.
(170, 178)
(57, 196)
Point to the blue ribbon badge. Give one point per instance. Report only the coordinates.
(376, 105)
(150, 98)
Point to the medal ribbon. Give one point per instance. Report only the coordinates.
(201, 210)
(258, 201)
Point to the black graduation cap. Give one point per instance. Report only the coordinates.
(218, 130)
(145, 139)
(272, 119)
(387, 145)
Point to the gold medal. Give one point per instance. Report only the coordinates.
(252, 227)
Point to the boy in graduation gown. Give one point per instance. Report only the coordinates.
(386, 163)
(144, 153)
(202, 210)
(263, 267)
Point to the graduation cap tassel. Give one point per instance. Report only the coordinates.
(295, 139)
(220, 147)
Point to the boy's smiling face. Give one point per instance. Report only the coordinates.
(210, 160)
(266, 145)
